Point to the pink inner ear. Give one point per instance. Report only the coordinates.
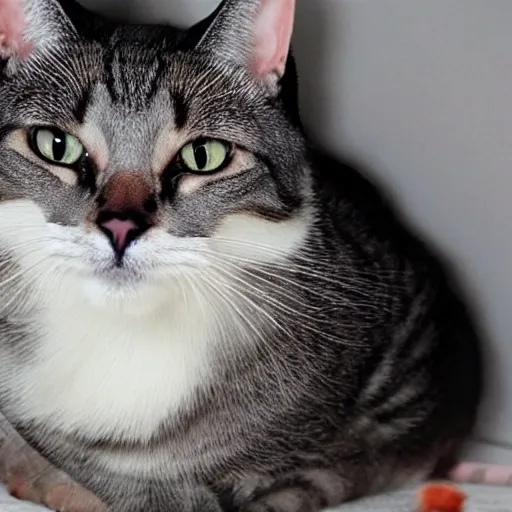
(12, 24)
(272, 38)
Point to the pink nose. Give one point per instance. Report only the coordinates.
(121, 233)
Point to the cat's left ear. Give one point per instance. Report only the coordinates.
(32, 26)
(253, 33)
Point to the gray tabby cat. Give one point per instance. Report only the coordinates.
(199, 311)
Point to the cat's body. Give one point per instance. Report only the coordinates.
(272, 340)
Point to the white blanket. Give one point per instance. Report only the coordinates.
(481, 499)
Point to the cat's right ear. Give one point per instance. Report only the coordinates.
(252, 33)
(32, 26)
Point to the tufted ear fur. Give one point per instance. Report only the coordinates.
(11, 27)
(31, 25)
(253, 33)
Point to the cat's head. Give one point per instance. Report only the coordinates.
(126, 163)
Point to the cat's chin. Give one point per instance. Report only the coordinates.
(135, 297)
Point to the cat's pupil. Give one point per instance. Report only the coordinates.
(59, 147)
(201, 156)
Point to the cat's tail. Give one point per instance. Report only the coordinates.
(476, 473)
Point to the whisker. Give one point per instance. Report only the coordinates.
(267, 248)
(257, 307)
(184, 295)
(359, 286)
(197, 294)
(305, 254)
(246, 322)
(279, 306)
(22, 272)
(231, 306)
(26, 285)
(276, 286)
(259, 291)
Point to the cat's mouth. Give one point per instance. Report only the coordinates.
(127, 289)
(121, 271)
(155, 260)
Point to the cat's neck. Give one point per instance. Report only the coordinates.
(108, 372)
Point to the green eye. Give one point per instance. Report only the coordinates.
(205, 155)
(57, 146)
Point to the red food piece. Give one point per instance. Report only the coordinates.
(441, 498)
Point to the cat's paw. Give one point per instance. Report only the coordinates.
(51, 488)
(60, 497)
(30, 477)
(285, 500)
(259, 507)
(11, 29)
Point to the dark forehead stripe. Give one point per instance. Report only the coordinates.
(181, 108)
(80, 109)
(110, 76)
(132, 75)
(156, 80)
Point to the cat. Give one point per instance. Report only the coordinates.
(200, 311)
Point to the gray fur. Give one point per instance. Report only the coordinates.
(362, 371)
(230, 35)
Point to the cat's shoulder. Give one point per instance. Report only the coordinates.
(360, 207)
(339, 183)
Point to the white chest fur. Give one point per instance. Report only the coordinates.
(102, 372)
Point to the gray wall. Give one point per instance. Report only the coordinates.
(421, 92)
